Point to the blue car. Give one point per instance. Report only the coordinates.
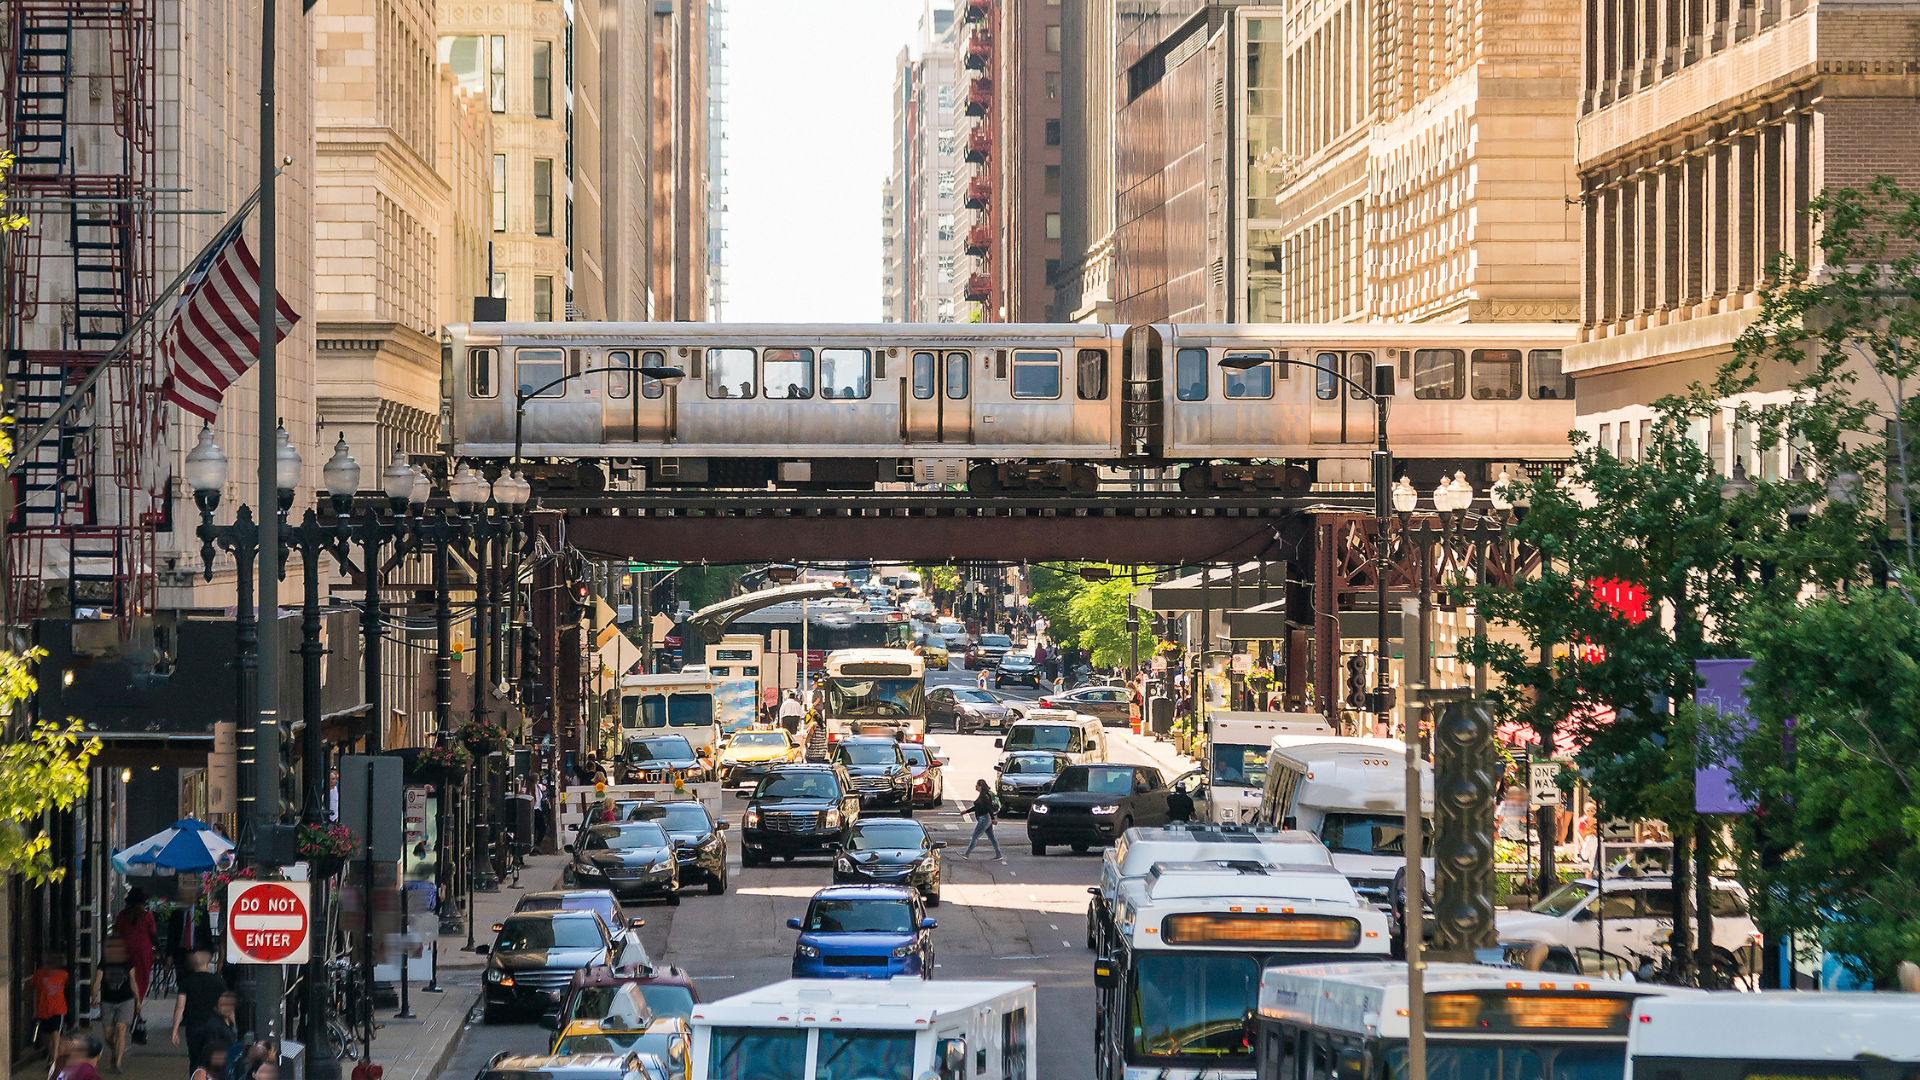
(863, 932)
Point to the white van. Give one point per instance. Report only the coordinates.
(908, 1026)
(1082, 738)
(1352, 794)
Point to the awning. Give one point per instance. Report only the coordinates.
(1266, 622)
(1184, 593)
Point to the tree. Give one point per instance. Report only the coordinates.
(1091, 615)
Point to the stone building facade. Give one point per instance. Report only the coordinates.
(920, 209)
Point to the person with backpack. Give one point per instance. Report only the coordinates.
(985, 808)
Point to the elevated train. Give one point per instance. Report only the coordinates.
(1000, 407)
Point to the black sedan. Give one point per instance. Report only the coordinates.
(890, 852)
(797, 810)
(701, 850)
(1025, 776)
(661, 759)
(879, 771)
(962, 709)
(534, 956)
(1092, 805)
(1018, 668)
(634, 859)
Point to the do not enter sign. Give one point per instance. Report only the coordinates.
(267, 922)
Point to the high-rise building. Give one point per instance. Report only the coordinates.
(716, 157)
(1083, 287)
(920, 237)
(677, 39)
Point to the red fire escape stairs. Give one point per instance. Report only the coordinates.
(979, 240)
(979, 96)
(979, 193)
(979, 145)
(979, 48)
(978, 10)
(979, 287)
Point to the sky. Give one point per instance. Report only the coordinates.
(808, 126)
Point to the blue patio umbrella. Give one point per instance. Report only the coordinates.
(187, 846)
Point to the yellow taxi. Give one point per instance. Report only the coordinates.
(752, 751)
(664, 1038)
(933, 649)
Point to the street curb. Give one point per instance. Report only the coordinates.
(459, 1036)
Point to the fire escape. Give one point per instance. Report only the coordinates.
(978, 59)
(85, 499)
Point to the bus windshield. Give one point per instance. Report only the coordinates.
(679, 710)
(1534, 1061)
(1192, 1004)
(1370, 834)
(880, 699)
(1240, 766)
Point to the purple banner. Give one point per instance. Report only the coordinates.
(1723, 686)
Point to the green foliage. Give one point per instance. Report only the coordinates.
(703, 586)
(943, 579)
(44, 771)
(1090, 615)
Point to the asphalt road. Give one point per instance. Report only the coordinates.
(1018, 917)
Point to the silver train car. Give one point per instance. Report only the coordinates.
(999, 407)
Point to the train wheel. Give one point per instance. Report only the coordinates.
(1084, 480)
(1196, 480)
(983, 478)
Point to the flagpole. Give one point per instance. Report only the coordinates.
(33, 439)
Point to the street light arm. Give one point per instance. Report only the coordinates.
(522, 396)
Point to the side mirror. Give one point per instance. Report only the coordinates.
(939, 844)
(720, 826)
(793, 924)
(637, 923)
(743, 793)
(999, 744)
(928, 924)
(497, 927)
(482, 950)
(1094, 890)
(1106, 973)
(953, 1056)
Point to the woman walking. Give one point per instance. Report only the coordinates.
(135, 925)
(985, 808)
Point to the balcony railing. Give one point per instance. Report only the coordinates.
(978, 10)
(979, 96)
(979, 239)
(979, 193)
(979, 48)
(979, 144)
(979, 287)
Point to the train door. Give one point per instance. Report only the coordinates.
(1342, 412)
(569, 412)
(652, 401)
(1093, 404)
(1144, 392)
(619, 422)
(936, 398)
(956, 396)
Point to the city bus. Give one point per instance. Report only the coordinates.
(1350, 1022)
(1179, 978)
(680, 703)
(831, 625)
(1786, 1035)
(876, 691)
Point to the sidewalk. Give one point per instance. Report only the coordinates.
(1172, 763)
(407, 1049)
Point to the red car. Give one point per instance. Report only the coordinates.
(929, 774)
(668, 992)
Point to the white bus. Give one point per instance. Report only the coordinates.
(1352, 794)
(876, 691)
(1177, 985)
(671, 704)
(1778, 1035)
(1350, 1022)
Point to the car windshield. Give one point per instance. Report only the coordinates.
(662, 710)
(642, 834)
(868, 754)
(674, 816)
(806, 785)
(538, 935)
(1237, 765)
(935, 641)
(981, 696)
(876, 835)
(1535, 1061)
(1560, 902)
(877, 698)
(1097, 779)
(1033, 764)
(1192, 1005)
(611, 1042)
(915, 754)
(950, 629)
(865, 1055)
(859, 916)
(1046, 737)
(1370, 834)
(671, 748)
(668, 999)
(1016, 659)
(607, 906)
(760, 738)
(996, 641)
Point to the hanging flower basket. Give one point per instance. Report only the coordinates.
(444, 759)
(1260, 680)
(483, 738)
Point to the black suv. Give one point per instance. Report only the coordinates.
(534, 957)
(1016, 667)
(797, 810)
(1093, 805)
(661, 759)
(880, 772)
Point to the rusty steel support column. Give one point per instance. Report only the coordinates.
(1326, 618)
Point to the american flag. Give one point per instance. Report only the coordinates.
(214, 336)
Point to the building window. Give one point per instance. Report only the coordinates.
(542, 298)
(543, 79)
(499, 193)
(499, 286)
(1053, 226)
(946, 96)
(946, 311)
(946, 142)
(1053, 271)
(946, 269)
(946, 183)
(497, 73)
(1053, 84)
(543, 196)
(1053, 133)
(1053, 39)
(1052, 179)
(946, 226)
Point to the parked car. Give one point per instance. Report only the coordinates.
(635, 859)
(698, 844)
(627, 1066)
(1639, 916)
(602, 902)
(929, 773)
(661, 759)
(962, 709)
(750, 753)
(887, 852)
(1025, 776)
(1113, 705)
(988, 650)
(863, 932)
(933, 650)
(879, 771)
(1540, 956)
(1017, 668)
(1092, 805)
(532, 957)
(797, 809)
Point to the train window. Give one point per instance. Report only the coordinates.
(1254, 382)
(923, 376)
(1326, 385)
(957, 375)
(1496, 374)
(535, 368)
(1190, 373)
(1092, 374)
(729, 373)
(1544, 377)
(787, 374)
(1360, 370)
(1036, 373)
(619, 374)
(845, 374)
(1438, 374)
(480, 373)
(652, 388)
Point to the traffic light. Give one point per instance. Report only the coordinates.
(1356, 682)
(582, 596)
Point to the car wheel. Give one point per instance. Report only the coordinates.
(933, 898)
(1077, 849)
(907, 810)
(717, 884)
(786, 858)
(490, 1014)
(748, 859)
(1039, 848)
(566, 874)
